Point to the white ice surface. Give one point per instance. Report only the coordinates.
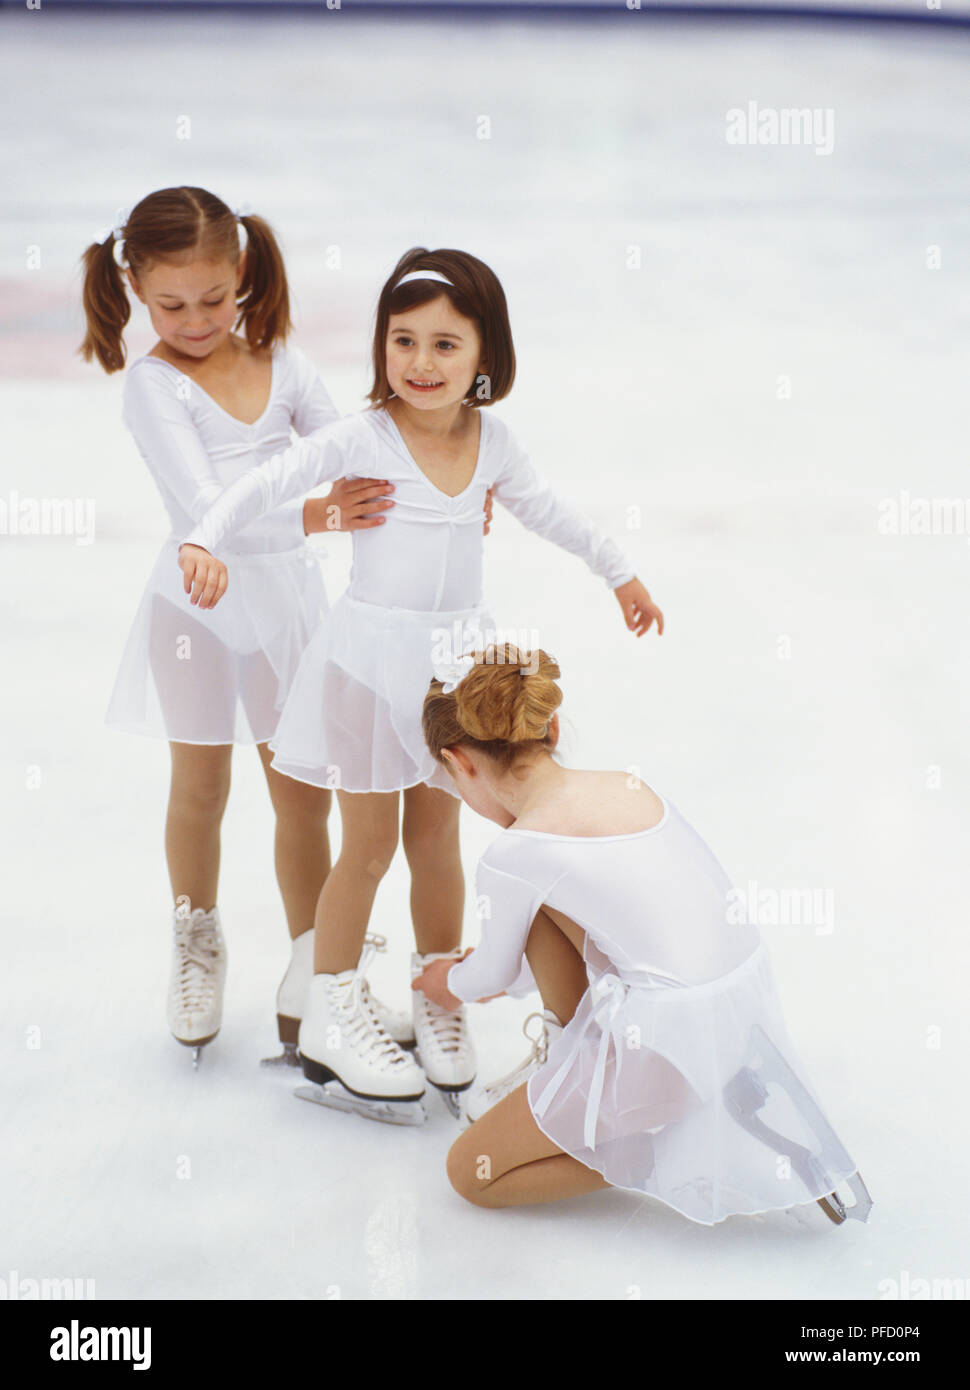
(759, 523)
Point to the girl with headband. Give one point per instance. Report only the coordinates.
(669, 1070)
(443, 354)
(206, 403)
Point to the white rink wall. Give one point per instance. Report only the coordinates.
(738, 358)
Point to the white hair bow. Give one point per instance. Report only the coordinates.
(117, 231)
(452, 673)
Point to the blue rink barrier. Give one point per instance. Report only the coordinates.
(950, 12)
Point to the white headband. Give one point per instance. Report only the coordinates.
(423, 275)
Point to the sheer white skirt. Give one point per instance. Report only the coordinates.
(220, 675)
(353, 716)
(692, 1095)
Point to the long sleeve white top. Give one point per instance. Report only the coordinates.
(428, 557)
(194, 449)
(654, 903)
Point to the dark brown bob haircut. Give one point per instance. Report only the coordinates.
(475, 292)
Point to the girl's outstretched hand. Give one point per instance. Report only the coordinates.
(433, 983)
(206, 578)
(639, 610)
(352, 504)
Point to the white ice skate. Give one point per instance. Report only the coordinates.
(292, 993)
(398, 1023)
(443, 1045)
(482, 1098)
(351, 1061)
(198, 978)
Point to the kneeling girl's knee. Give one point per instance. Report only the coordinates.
(469, 1171)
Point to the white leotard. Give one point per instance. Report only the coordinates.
(245, 652)
(675, 1077)
(428, 556)
(194, 449)
(653, 903)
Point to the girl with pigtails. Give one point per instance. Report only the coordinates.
(206, 403)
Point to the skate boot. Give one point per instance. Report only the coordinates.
(482, 1098)
(352, 1063)
(395, 1022)
(444, 1048)
(291, 996)
(198, 978)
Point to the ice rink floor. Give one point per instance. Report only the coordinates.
(739, 412)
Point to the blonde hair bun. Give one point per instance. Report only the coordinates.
(509, 694)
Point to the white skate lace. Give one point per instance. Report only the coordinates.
(447, 1027)
(359, 1023)
(377, 943)
(540, 1048)
(199, 950)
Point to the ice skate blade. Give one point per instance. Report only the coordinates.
(746, 1093)
(196, 1049)
(287, 1058)
(334, 1096)
(453, 1102)
(836, 1210)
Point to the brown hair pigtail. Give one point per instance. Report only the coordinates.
(107, 308)
(264, 295)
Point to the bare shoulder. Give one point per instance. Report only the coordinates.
(596, 804)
